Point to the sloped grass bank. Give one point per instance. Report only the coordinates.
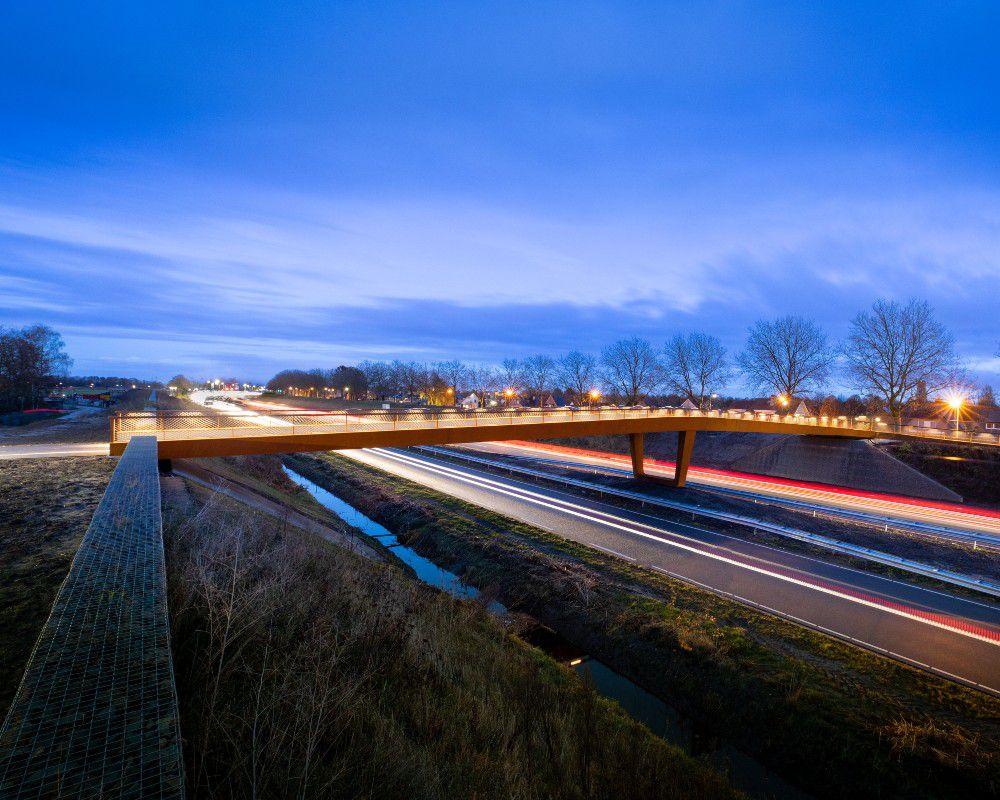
(45, 508)
(304, 671)
(835, 719)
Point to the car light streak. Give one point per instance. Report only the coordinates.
(609, 520)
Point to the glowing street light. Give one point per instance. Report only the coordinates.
(595, 395)
(955, 401)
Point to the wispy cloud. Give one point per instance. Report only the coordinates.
(305, 276)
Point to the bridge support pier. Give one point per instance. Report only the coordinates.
(635, 446)
(685, 446)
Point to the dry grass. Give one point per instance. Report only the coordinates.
(306, 672)
(45, 507)
(816, 710)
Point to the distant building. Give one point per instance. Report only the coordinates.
(548, 401)
(802, 410)
(689, 405)
(471, 401)
(990, 419)
(933, 423)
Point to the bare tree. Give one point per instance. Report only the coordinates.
(455, 373)
(380, 378)
(788, 356)
(538, 374)
(893, 350)
(576, 372)
(413, 377)
(631, 368)
(31, 358)
(512, 374)
(695, 366)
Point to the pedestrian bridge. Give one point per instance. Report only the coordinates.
(194, 434)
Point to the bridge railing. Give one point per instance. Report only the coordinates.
(172, 425)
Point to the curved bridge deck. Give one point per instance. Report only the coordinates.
(187, 434)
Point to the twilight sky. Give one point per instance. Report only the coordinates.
(233, 188)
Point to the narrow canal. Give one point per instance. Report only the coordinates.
(745, 772)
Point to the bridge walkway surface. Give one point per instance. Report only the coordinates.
(95, 715)
(246, 431)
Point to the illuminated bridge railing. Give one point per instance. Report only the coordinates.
(176, 425)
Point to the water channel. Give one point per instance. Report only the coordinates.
(745, 772)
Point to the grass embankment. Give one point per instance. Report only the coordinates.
(304, 671)
(45, 508)
(837, 720)
(973, 472)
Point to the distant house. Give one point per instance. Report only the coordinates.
(934, 423)
(471, 401)
(802, 410)
(548, 401)
(990, 419)
(689, 405)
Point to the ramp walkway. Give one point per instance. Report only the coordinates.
(95, 715)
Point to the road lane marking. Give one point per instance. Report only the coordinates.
(896, 609)
(613, 552)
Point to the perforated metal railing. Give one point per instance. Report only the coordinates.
(95, 715)
(173, 425)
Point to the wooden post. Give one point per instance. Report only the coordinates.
(635, 446)
(685, 444)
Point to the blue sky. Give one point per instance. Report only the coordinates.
(237, 188)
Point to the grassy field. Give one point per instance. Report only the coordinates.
(45, 507)
(837, 720)
(304, 671)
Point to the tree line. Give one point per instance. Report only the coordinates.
(895, 355)
(32, 360)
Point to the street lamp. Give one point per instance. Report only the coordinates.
(955, 402)
(594, 397)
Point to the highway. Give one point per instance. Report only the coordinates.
(956, 637)
(932, 517)
(16, 451)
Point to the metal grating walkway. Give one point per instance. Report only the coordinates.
(96, 713)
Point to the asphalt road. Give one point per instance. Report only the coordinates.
(947, 515)
(12, 451)
(954, 636)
